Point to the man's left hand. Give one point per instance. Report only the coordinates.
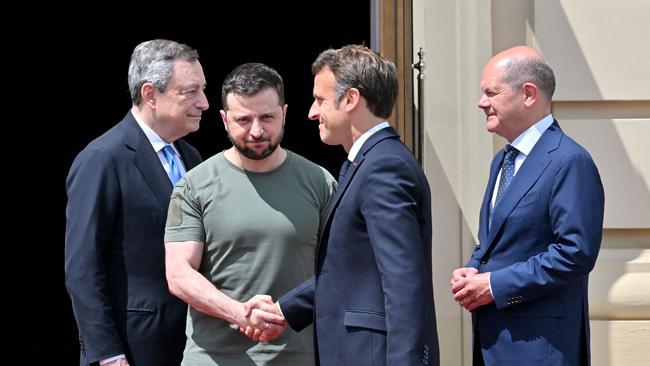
(473, 291)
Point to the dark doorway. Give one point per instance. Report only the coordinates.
(95, 96)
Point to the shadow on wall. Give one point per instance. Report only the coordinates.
(449, 229)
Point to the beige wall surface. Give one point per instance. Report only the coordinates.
(620, 148)
(599, 51)
(596, 47)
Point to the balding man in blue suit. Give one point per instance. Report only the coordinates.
(540, 226)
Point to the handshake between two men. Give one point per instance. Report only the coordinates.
(263, 319)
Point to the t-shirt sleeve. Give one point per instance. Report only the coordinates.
(184, 216)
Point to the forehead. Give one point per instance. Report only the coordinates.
(265, 101)
(491, 76)
(324, 82)
(187, 73)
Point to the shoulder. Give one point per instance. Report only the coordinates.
(207, 170)
(304, 165)
(182, 144)
(391, 152)
(569, 152)
(102, 149)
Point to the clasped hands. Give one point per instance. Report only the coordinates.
(470, 288)
(263, 320)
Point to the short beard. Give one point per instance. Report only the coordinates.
(264, 153)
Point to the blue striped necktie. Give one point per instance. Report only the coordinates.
(174, 172)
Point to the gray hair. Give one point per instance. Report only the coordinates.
(249, 79)
(153, 62)
(356, 66)
(530, 70)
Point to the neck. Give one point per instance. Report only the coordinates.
(147, 116)
(362, 125)
(258, 166)
(532, 119)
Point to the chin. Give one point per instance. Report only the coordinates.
(193, 126)
(492, 127)
(323, 136)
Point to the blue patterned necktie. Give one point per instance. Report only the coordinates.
(344, 169)
(174, 172)
(507, 172)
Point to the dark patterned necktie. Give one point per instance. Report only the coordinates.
(507, 172)
(344, 169)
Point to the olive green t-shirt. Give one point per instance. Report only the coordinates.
(260, 232)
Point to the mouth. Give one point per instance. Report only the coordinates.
(257, 142)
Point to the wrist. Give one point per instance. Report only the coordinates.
(236, 311)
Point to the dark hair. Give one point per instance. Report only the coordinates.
(249, 79)
(153, 62)
(356, 66)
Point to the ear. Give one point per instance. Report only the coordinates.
(351, 99)
(224, 119)
(530, 94)
(284, 112)
(148, 92)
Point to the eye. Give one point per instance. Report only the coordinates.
(268, 118)
(188, 92)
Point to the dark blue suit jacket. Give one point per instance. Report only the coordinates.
(372, 295)
(118, 194)
(541, 246)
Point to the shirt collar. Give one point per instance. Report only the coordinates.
(155, 140)
(527, 140)
(354, 150)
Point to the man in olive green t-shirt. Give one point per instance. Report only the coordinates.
(245, 222)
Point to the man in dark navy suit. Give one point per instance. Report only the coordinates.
(118, 192)
(540, 226)
(371, 299)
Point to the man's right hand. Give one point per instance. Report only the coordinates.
(264, 321)
(460, 274)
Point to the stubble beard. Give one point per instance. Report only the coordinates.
(251, 154)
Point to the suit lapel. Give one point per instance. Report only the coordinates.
(358, 160)
(484, 216)
(189, 159)
(528, 174)
(146, 160)
(378, 136)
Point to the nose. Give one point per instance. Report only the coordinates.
(256, 129)
(483, 102)
(202, 101)
(313, 112)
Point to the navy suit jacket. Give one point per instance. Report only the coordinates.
(542, 244)
(372, 296)
(118, 194)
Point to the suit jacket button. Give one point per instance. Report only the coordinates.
(484, 261)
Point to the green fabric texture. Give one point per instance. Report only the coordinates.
(260, 232)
